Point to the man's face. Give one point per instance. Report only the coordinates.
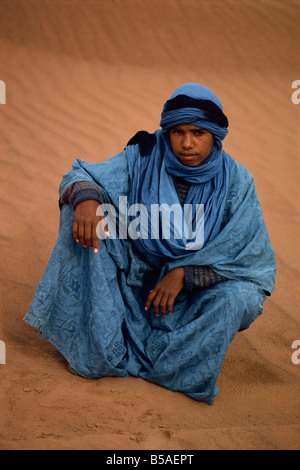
(191, 144)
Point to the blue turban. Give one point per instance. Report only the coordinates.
(197, 105)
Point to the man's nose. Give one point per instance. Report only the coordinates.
(187, 141)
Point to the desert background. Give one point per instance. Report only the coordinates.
(82, 77)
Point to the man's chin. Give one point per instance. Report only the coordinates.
(190, 160)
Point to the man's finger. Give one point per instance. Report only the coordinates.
(156, 303)
(102, 226)
(75, 230)
(101, 229)
(80, 232)
(95, 239)
(163, 305)
(170, 305)
(150, 297)
(88, 234)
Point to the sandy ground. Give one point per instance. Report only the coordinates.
(81, 78)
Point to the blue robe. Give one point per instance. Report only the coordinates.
(91, 306)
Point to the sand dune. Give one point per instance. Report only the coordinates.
(81, 78)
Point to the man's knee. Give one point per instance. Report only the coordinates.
(243, 301)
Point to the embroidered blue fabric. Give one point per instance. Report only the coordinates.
(153, 183)
(91, 306)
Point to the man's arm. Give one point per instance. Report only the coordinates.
(189, 277)
(200, 277)
(80, 191)
(85, 199)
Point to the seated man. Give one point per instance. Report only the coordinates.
(182, 264)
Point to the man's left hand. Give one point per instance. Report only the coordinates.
(165, 292)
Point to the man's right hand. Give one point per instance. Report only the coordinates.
(85, 224)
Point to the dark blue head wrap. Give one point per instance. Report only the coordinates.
(197, 105)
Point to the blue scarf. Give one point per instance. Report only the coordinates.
(153, 183)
